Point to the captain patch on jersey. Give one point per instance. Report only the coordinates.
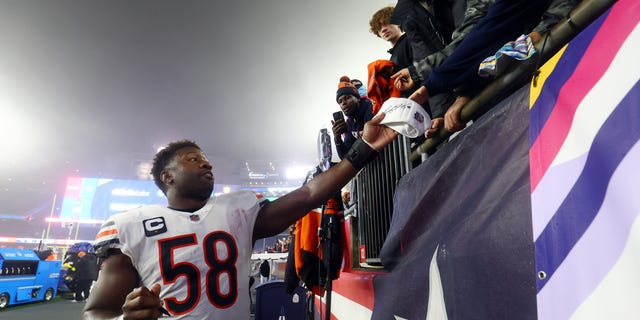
(154, 226)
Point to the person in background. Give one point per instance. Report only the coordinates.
(380, 71)
(380, 25)
(504, 21)
(357, 110)
(191, 259)
(435, 28)
(86, 272)
(265, 271)
(362, 88)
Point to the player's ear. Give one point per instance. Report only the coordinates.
(167, 177)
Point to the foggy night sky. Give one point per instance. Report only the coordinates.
(91, 88)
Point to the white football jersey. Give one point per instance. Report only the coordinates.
(200, 259)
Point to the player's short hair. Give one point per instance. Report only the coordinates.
(164, 157)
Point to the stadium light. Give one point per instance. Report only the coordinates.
(296, 172)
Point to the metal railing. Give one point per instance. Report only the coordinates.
(374, 187)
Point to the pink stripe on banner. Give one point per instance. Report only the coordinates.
(592, 66)
(600, 247)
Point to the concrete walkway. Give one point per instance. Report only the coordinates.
(57, 309)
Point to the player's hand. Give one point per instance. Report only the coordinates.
(402, 80)
(143, 304)
(379, 136)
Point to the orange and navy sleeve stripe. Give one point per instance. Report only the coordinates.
(106, 239)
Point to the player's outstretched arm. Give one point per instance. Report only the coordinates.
(283, 212)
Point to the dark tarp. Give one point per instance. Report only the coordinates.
(471, 201)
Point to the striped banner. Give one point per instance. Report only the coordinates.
(585, 172)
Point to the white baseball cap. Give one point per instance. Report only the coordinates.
(405, 116)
